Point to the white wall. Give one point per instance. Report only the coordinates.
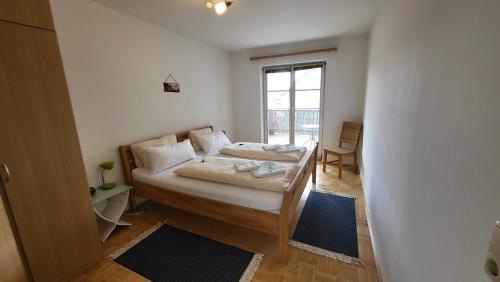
(115, 66)
(345, 84)
(431, 157)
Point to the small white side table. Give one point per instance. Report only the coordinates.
(109, 206)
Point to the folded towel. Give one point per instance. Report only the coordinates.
(242, 166)
(267, 169)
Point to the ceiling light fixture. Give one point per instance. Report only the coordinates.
(220, 6)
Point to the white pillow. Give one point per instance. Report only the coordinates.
(139, 153)
(213, 141)
(193, 136)
(161, 158)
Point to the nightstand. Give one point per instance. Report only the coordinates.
(109, 206)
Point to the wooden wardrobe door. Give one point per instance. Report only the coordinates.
(12, 264)
(48, 190)
(29, 12)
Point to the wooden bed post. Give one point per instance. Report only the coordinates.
(131, 201)
(283, 235)
(315, 163)
(127, 171)
(290, 202)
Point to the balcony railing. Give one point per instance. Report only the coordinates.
(306, 126)
(279, 120)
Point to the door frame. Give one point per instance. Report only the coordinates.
(292, 100)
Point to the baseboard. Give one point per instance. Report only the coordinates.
(370, 227)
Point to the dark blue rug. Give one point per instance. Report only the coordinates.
(327, 226)
(166, 253)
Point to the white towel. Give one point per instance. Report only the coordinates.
(267, 169)
(242, 166)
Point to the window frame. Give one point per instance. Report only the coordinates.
(292, 68)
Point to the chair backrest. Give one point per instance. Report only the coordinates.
(351, 133)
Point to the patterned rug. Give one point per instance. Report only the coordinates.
(166, 253)
(327, 227)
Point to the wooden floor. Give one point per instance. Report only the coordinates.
(302, 265)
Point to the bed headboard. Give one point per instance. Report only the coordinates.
(127, 158)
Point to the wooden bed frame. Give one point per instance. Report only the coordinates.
(264, 221)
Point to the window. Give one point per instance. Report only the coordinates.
(293, 98)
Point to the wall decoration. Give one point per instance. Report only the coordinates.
(171, 85)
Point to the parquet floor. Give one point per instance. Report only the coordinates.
(302, 265)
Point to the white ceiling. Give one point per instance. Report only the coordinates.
(255, 23)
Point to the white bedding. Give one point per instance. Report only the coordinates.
(217, 153)
(227, 193)
(256, 151)
(221, 170)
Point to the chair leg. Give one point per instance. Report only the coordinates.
(356, 166)
(341, 165)
(325, 156)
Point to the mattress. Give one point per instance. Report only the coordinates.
(231, 194)
(227, 193)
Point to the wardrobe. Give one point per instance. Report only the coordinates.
(48, 231)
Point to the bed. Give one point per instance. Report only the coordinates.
(265, 211)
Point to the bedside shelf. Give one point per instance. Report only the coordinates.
(109, 206)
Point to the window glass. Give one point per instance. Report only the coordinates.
(308, 79)
(278, 81)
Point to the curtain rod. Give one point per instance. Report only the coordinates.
(326, 50)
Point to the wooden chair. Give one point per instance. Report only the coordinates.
(351, 133)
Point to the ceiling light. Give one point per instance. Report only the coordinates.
(220, 7)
